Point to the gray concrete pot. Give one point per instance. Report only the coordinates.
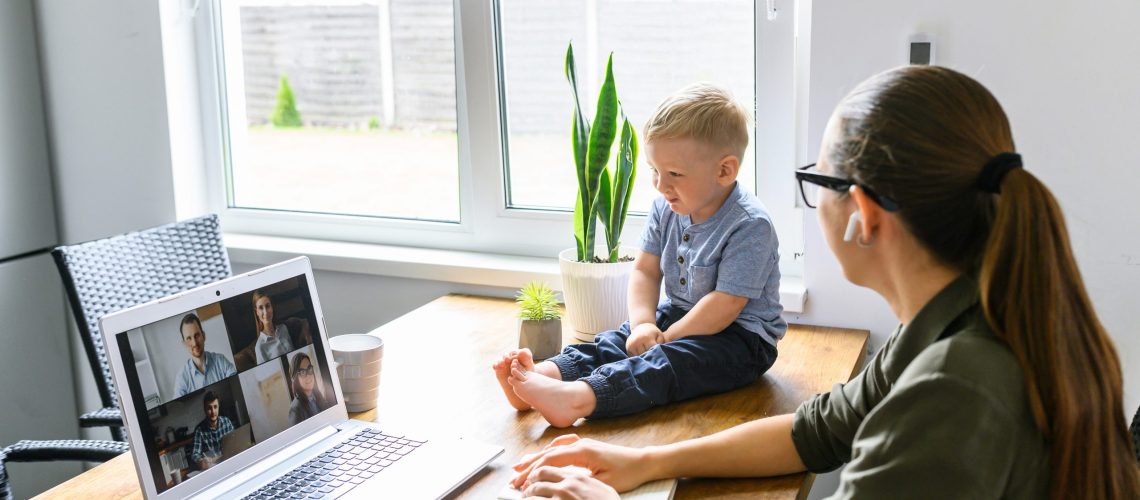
(543, 338)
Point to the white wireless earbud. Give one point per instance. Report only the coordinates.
(852, 226)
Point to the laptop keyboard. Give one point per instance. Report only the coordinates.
(338, 470)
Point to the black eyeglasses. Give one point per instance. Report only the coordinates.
(305, 372)
(810, 182)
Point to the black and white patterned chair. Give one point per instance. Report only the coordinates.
(46, 451)
(107, 275)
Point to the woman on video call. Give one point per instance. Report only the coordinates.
(272, 339)
(308, 400)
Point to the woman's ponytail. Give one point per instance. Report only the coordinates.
(1035, 300)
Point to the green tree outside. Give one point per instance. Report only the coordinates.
(285, 113)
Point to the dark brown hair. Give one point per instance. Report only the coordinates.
(296, 384)
(186, 320)
(208, 398)
(920, 136)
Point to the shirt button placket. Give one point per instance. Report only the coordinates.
(681, 258)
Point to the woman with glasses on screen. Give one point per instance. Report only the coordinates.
(308, 400)
(1000, 380)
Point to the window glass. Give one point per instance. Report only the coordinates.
(659, 47)
(343, 108)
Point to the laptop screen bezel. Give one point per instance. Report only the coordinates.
(122, 322)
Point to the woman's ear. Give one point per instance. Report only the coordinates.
(871, 214)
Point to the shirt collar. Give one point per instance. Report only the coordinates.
(205, 364)
(955, 307)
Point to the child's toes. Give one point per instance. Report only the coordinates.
(516, 371)
(525, 358)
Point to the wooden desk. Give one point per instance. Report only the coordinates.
(437, 379)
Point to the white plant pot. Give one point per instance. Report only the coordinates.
(595, 294)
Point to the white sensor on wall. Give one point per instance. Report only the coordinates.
(920, 49)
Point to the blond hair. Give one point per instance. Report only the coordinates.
(704, 112)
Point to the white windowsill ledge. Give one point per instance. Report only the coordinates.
(455, 266)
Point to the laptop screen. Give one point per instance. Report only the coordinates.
(210, 382)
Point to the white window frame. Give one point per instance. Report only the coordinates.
(486, 224)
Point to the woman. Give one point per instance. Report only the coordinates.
(272, 339)
(1000, 382)
(308, 400)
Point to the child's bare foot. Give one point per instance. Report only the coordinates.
(502, 373)
(560, 403)
(525, 357)
(526, 360)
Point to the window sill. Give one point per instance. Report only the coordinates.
(470, 268)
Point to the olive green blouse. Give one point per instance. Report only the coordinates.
(930, 418)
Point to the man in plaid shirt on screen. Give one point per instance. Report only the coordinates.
(208, 434)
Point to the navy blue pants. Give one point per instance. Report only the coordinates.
(674, 371)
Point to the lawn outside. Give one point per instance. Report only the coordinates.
(403, 174)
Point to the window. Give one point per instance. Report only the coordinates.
(342, 108)
(659, 47)
(445, 123)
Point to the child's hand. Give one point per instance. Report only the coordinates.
(643, 338)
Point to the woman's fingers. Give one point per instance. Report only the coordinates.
(558, 457)
(547, 481)
(567, 483)
(540, 490)
(564, 440)
(552, 474)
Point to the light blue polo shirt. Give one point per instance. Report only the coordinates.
(190, 379)
(735, 252)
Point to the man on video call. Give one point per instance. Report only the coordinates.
(203, 368)
(207, 450)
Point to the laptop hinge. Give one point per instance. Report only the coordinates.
(248, 474)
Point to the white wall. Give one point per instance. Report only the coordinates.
(106, 117)
(103, 81)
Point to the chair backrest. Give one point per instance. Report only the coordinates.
(107, 275)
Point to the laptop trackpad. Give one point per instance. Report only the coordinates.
(431, 471)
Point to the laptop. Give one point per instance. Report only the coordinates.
(237, 441)
(246, 424)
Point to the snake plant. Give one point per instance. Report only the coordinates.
(602, 195)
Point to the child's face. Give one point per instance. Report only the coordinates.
(692, 177)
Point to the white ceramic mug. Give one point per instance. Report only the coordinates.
(365, 370)
(356, 348)
(360, 401)
(363, 384)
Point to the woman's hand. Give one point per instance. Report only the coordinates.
(567, 483)
(621, 467)
(643, 338)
